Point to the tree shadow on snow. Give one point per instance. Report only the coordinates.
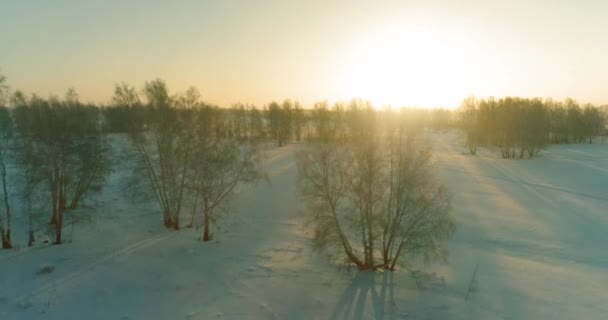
(363, 290)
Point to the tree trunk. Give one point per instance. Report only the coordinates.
(168, 222)
(53, 218)
(55, 200)
(193, 215)
(385, 259)
(176, 222)
(206, 234)
(74, 203)
(6, 240)
(31, 239)
(59, 228)
(58, 236)
(60, 215)
(6, 235)
(30, 220)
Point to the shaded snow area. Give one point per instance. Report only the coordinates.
(530, 244)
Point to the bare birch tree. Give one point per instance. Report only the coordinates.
(61, 145)
(416, 220)
(218, 167)
(162, 148)
(6, 126)
(374, 202)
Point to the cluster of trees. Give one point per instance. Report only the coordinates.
(521, 126)
(54, 152)
(57, 148)
(183, 155)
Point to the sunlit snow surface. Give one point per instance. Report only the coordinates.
(536, 230)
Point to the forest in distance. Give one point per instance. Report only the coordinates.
(189, 156)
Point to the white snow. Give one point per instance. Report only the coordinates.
(535, 230)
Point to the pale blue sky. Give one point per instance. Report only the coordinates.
(400, 52)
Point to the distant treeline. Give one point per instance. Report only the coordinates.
(282, 122)
(521, 126)
(518, 126)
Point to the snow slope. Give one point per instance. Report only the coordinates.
(529, 246)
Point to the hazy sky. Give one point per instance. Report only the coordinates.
(424, 53)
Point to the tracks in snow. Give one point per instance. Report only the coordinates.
(71, 278)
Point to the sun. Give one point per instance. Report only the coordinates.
(408, 67)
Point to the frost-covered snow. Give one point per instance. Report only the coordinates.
(535, 230)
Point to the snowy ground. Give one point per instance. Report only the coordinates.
(535, 231)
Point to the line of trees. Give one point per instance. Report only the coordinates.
(61, 152)
(522, 126)
(57, 148)
(282, 123)
(55, 152)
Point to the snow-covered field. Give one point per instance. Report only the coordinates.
(530, 244)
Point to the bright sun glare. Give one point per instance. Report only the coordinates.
(418, 67)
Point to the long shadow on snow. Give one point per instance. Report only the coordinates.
(494, 296)
(353, 301)
(530, 184)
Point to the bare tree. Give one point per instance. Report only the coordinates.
(22, 153)
(416, 218)
(61, 145)
(470, 119)
(594, 121)
(5, 136)
(163, 149)
(374, 202)
(6, 126)
(31, 187)
(219, 166)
